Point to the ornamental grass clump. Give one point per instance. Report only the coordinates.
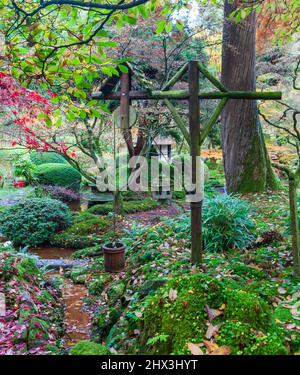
(227, 223)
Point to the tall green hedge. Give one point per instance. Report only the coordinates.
(58, 174)
(39, 158)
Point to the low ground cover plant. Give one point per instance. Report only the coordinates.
(129, 207)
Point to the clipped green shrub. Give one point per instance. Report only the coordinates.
(58, 174)
(39, 158)
(89, 348)
(34, 221)
(226, 223)
(246, 307)
(128, 206)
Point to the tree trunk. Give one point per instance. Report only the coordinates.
(246, 162)
(118, 203)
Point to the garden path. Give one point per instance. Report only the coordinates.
(14, 197)
(154, 216)
(77, 320)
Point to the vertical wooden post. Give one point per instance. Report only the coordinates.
(194, 125)
(125, 101)
(294, 223)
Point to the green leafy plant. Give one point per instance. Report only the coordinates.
(158, 338)
(34, 221)
(226, 223)
(24, 168)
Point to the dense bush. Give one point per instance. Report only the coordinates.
(34, 221)
(128, 206)
(226, 223)
(39, 158)
(58, 174)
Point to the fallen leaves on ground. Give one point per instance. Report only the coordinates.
(212, 313)
(172, 294)
(212, 330)
(195, 349)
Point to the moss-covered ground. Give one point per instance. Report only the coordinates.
(239, 302)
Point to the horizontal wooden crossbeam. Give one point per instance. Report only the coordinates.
(184, 95)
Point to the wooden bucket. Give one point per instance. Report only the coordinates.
(114, 257)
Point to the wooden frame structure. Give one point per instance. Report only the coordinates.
(196, 135)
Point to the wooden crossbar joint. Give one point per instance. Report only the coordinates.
(184, 95)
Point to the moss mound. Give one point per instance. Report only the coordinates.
(91, 226)
(87, 231)
(245, 339)
(177, 314)
(89, 348)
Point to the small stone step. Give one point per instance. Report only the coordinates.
(61, 263)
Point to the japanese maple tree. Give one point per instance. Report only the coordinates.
(30, 112)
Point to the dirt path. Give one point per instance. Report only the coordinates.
(154, 216)
(77, 320)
